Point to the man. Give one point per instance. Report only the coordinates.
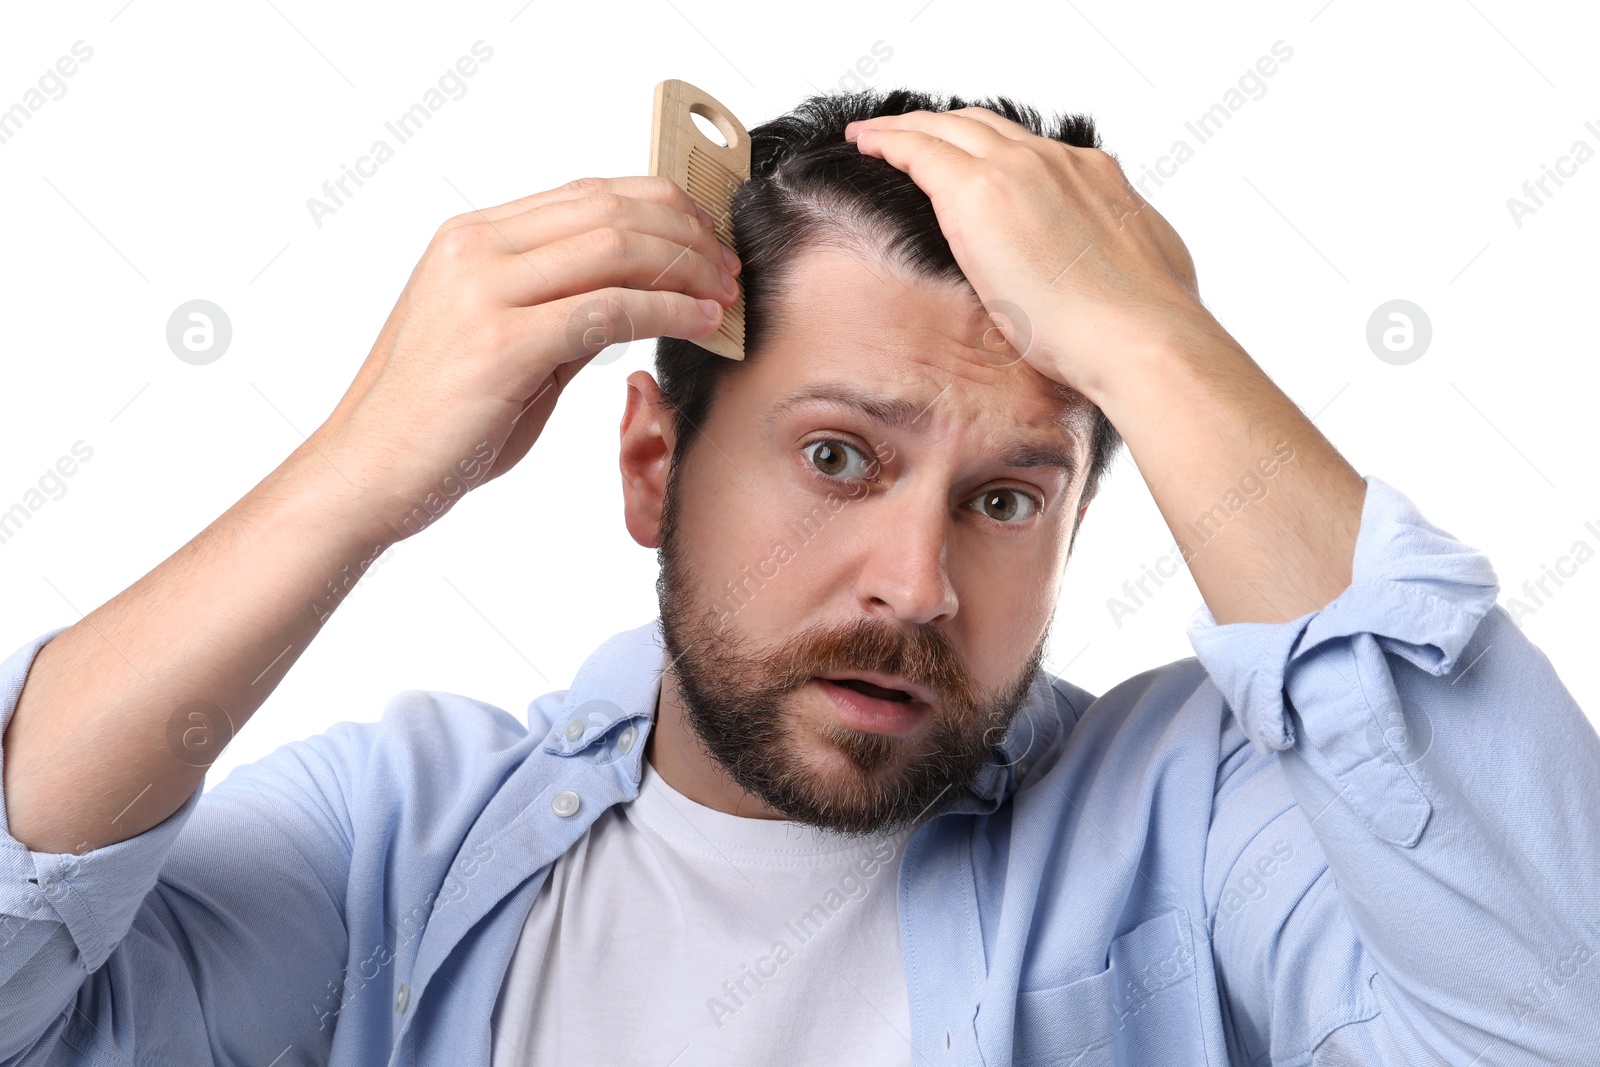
(826, 808)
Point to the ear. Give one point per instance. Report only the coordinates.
(646, 458)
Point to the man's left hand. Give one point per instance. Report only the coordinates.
(1048, 231)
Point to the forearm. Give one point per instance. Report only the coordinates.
(122, 712)
(1263, 508)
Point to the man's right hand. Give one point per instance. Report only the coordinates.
(121, 713)
(503, 310)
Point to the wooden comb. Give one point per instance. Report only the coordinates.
(710, 173)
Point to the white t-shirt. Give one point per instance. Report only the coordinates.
(672, 933)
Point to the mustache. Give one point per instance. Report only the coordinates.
(923, 655)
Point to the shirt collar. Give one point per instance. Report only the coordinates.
(610, 709)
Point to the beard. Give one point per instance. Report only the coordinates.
(736, 698)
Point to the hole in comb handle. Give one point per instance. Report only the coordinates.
(707, 126)
(709, 171)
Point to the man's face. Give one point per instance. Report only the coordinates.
(823, 559)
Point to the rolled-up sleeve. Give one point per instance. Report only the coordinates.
(212, 937)
(1451, 784)
(95, 894)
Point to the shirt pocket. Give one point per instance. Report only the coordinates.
(1144, 1008)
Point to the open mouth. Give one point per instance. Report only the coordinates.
(864, 705)
(872, 690)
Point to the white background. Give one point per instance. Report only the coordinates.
(1376, 165)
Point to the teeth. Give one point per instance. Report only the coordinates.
(874, 690)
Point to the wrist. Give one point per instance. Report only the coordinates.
(332, 495)
(1142, 376)
(388, 493)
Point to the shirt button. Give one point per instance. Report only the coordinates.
(405, 996)
(625, 740)
(574, 729)
(565, 803)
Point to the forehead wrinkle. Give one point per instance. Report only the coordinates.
(898, 413)
(894, 413)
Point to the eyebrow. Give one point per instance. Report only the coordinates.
(898, 413)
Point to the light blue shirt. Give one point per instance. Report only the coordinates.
(1352, 838)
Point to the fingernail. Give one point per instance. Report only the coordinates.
(729, 258)
(705, 216)
(711, 308)
(727, 284)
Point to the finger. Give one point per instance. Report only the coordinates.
(966, 132)
(585, 324)
(642, 186)
(932, 162)
(568, 218)
(997, 122)
(609, 256)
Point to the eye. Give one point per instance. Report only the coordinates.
(1004, 505)
(833, 459)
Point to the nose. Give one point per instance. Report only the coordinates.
(904, 573)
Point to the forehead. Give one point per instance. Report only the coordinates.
(843, 317)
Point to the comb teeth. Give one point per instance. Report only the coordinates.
(711, 183)
(712, 186)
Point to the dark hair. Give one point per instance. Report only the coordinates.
(807, 186)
